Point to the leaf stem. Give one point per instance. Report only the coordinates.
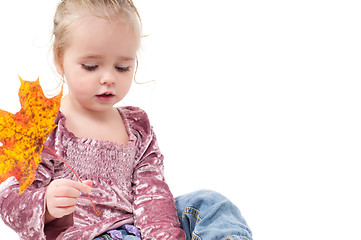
(96, 211)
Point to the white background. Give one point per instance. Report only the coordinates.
(259, 100)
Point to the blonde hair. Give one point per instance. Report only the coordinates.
(70, 12)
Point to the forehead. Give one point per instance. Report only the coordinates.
(98, 35)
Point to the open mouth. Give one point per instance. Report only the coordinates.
(105, 96)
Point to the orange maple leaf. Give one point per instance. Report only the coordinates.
(22, 134)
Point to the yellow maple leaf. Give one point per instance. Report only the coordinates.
(22, 134)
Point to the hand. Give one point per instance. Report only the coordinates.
(62, 196)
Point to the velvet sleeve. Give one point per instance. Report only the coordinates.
(25, 213)
(154, 208)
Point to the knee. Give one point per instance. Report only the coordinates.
(209, 196)
(201, 198)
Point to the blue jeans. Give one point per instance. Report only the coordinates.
(207, 215)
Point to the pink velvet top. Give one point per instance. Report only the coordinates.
(128, 186)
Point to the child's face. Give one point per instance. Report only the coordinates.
(98, 63)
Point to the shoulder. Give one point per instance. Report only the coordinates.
(137, 119)
(133, 112)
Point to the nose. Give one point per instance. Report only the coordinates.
(107, 78)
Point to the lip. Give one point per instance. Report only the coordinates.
(105, 97)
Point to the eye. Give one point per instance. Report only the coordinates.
(122, 69)
(89, 68)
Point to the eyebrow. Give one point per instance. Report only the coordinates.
(126, 58)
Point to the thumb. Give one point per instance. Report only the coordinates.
(88, 182)
(84, 186)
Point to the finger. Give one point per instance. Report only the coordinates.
(64, 202)
(66, 191)
(88, 183)
(63, 211)
(84, 188)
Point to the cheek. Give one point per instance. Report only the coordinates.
(124, 86)
(79, 85)
(128, 83)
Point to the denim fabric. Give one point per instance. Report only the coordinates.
(208, 215)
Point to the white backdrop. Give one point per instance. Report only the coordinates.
(259, 100)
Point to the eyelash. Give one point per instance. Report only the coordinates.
(92, 68)
(89, 68)
(122, 69)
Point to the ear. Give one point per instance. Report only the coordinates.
(58, 61)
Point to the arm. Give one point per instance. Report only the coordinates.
(35, 214)
(25, 213)
(154, 209)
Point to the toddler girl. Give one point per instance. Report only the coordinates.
(114, 149)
